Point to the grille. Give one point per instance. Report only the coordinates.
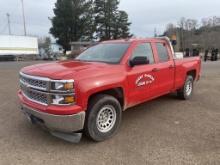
(32, 88)
(39, 97)
(38, 89)
(35, 83)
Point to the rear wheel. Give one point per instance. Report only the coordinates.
(187, 90)
(103, 117)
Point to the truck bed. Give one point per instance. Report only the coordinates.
(183, 66)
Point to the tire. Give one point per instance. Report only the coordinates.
(186, 91)
(103, 117)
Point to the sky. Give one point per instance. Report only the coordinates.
(145, 15)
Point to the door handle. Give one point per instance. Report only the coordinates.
(155, 70)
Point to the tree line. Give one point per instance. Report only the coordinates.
(86, 20)
(191, 32)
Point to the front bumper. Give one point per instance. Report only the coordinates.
(59, 123)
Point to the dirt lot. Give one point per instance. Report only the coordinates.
(163, 131)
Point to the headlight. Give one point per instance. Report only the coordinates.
(63, 100)
(62, 85)
(62, 92)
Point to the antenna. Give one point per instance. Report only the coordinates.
(9, 23)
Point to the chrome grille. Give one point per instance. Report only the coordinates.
(34, 88)
(36, 96)
(34, 82)
(40, 89)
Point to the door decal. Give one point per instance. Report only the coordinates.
(144, 79)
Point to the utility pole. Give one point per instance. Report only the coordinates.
(22, 3)
(155, 32)
(9, 23)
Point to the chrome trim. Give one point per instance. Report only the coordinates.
(48, 95)
(35, 77)
(33, 100)
(48, 92)
(28, 85)
(48, 81)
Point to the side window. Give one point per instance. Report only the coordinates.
(144, 50)
(162, 52)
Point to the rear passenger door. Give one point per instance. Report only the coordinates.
(164, 70)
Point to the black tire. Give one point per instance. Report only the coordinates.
(96, 107)
(184, 93)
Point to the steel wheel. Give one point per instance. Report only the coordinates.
(189, 87)
(106, 118)
(186, 91)
(103, 117)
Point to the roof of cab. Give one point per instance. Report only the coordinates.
(129, 40)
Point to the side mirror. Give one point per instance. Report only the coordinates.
(139, 61)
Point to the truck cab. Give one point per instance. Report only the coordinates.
(90, 92)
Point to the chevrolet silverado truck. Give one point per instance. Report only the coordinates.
(88, 94)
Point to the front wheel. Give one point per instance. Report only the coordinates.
(103, 117)
(187, 90)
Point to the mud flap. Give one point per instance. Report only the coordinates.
(72, 138)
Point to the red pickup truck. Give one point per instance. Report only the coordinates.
(89, 93)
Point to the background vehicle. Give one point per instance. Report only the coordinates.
(91, 92)
(18, 47)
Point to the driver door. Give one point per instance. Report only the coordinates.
(141, 77)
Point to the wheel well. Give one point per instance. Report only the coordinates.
(192, 73)
(115, 92)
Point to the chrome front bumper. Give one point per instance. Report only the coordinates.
(59, 123)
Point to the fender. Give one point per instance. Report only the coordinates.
(88, 87)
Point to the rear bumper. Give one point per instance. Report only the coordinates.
(60, 123)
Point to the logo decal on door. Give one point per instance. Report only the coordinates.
(144, 79)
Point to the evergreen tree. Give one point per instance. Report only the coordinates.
(121, 29)
(110, 22)
(71, 21)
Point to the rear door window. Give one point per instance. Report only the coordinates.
(162, 52)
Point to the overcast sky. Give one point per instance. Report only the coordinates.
(145, 15)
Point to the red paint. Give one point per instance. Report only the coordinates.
(91, 78)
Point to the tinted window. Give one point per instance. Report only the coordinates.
(162, 52)
(109, 53)
(144, 50)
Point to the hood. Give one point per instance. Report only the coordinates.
(64, 69)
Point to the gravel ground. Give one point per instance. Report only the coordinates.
(163, 131)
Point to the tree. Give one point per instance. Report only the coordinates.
(191, 24)
(71, 21)
(190, 32)
(121, 28)
(182, 23)
(45, 44)
(188, 24)
(110, 22)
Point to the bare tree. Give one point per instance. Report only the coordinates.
(192, 32)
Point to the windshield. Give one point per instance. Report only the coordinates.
(106, 52)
